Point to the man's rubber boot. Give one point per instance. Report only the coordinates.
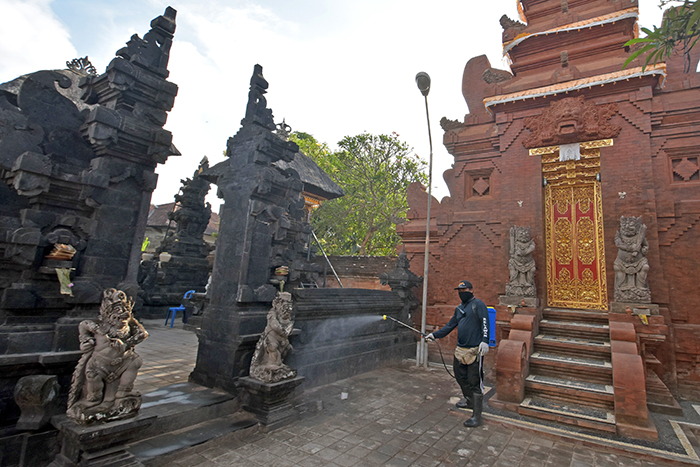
(466, 403)
(476, 415)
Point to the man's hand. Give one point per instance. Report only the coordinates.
(430, 337)
(483, 349)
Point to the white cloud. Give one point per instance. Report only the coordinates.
(31, 38)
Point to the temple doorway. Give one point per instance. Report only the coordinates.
(575, 250)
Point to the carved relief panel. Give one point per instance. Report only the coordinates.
(478, 183)
(684, 169)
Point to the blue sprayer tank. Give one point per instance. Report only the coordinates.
(492, 326)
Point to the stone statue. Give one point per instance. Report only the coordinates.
(274, 346)
(521, 263)
(103, 381)
(631, 265)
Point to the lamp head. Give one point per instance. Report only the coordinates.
(423, 82)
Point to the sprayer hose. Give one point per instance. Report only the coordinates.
(443, 359)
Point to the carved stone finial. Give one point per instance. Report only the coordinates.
(82, 66)
(521, 264)
(495, 76)
(273, 346)
(256, 110)
(448, 124)
(283, 130)
(102, 388)
(631, 265)
(153, 51)
(507, 23)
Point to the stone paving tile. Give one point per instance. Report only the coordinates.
(312, 448)
(342, 445)
(346, 460)
(328, 454)
(426, 461)
(507, 463)
(312, 461)
(376, 458)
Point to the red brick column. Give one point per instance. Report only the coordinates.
(629, 381)
(512, 367)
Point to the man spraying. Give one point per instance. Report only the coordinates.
(471, 319)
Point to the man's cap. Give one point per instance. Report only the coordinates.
(464, 285)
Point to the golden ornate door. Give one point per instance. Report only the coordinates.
(574, 228)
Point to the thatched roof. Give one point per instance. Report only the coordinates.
(316, 181)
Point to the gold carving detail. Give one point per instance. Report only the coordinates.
(589, 291)
(601, 143)
(544, 150)
(583, 196)
(586, 241)
(562, 231)
(562, 198)
(564, 290)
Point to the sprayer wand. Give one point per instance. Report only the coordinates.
(384, 317)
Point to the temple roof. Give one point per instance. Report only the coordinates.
(588, 23)
(575, 85)
(316, 181)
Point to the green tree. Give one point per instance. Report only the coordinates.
(679, 27)
(374, 171)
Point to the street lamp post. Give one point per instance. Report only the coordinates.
(423, 82)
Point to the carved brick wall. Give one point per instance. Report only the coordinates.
(652, 170)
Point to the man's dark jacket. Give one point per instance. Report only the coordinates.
(472, 322)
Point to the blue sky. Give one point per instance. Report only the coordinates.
(335, 68)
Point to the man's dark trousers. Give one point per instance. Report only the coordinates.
(469, 377)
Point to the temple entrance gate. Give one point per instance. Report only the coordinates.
(574, 237)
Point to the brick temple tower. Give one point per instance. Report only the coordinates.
(566, 144)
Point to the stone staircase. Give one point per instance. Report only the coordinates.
(570, 378)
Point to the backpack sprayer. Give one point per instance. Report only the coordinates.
(384, 317)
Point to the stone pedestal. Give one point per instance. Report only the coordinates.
(270, 402)
(516, 300)
(100, 444)
(648, 309)
(37, 397)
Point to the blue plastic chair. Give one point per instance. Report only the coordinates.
(172, 311)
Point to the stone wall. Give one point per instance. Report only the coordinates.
(359, 272)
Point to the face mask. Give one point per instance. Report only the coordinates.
(465, 296)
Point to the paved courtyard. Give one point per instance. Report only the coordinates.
(397, 416)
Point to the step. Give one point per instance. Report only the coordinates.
(575, 329)
(588, 316)
(182, 405)
(572, 345)
(569, 413)
(168, 443)
(659, 398)
(595, 370)
(596, 394)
